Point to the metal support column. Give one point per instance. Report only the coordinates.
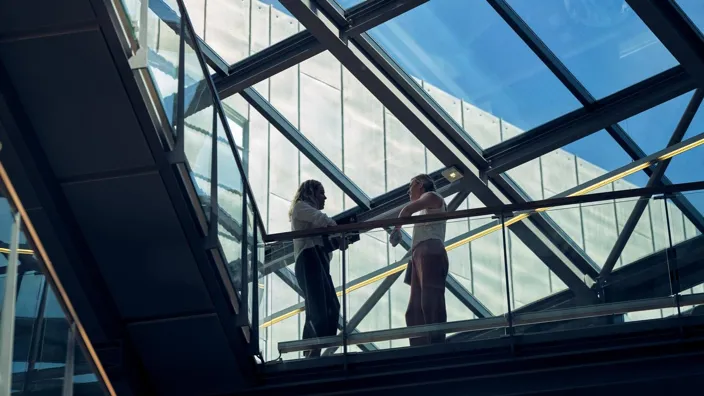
(7, 318)
(36, 338)
(70, 361)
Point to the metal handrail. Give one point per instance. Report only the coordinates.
(508, 209)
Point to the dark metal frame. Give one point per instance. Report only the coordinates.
(655, 178)
(675, 31)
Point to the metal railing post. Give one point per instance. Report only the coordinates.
(7, 320)
(69, 368)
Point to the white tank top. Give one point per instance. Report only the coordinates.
(435, 230)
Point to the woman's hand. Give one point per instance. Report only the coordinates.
(395, 236)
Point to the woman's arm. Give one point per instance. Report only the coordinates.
(304, 212)
(426, 201)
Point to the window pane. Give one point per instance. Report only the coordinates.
(236, 29)
(603, 43)
(694, 10)
(652, 129)
(349, 3)
(687, 167)
(348, 125)
(474, 65)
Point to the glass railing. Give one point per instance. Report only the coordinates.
(504, 278)
(40, 349)
(200, 143)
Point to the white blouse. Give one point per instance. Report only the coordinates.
(303, 217)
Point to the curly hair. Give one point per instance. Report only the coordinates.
(306, 193)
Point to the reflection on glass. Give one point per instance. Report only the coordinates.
(230, 187)
(164, 29)
(603, 43)
(240, 28)
(40, 326)
(132, 9)
(474, 57)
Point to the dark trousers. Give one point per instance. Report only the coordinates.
(427, 272)
(322, 306)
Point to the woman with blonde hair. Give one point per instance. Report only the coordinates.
(312, 268)
(428, 267)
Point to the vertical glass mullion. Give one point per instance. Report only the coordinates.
(343, 251)
(36, 338)
(7, 316)
(509, 314)
(181, 98)
(671, 258)
(244, 277)
(214, 205)
(70, 361)
(255, 288)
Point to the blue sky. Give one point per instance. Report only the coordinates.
(466, 49)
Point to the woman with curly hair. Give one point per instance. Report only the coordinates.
(312, 267)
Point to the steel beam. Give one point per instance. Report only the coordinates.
(459, 291)
(675, 31)
(659, 172)
(303, 45)
(458, 200)
(586, 121)
(372, 13)
(635, 152)
(267, 63)
(368, 305)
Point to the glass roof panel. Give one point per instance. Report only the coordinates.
(573, 165)
(474, 63)
(348, 124)
(603, 43)
(652, 129)
(694, 10)
(687, 167)
(238, 29)
(601, 150)
(576, 165)
(349, 3)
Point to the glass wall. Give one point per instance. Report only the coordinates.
(44, 342)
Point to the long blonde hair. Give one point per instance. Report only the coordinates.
(306, 193)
